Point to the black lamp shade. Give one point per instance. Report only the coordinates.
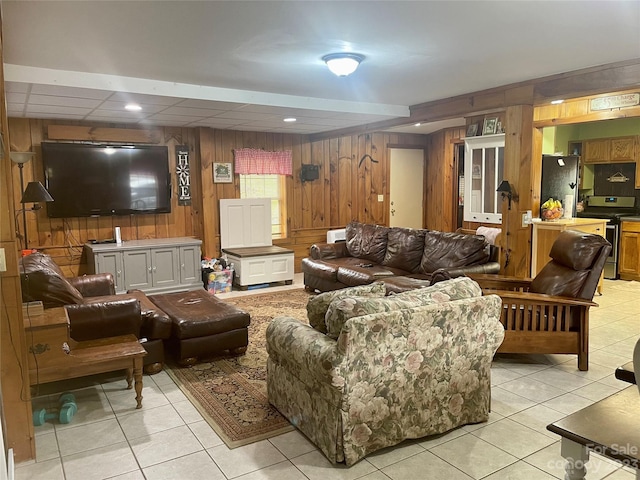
(504, 187)
(35, 193)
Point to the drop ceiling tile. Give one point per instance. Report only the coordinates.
(16, 87)
(194, 112)
(70, 91)
(14, 97)
(96, 118)
(62, 116)
(54, 109)
(146, 99)
(174, 118)
(147, 108)
(196, 103)
(63, 101)
(216, 122)
(287, 112)
(240, 115)
(119, 114)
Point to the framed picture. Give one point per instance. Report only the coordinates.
(489, 127)
(472, 130)
(222, 173)
(499, 128)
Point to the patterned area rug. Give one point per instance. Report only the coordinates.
(231, 392)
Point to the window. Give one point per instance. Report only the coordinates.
(268, 186)
(483, 171)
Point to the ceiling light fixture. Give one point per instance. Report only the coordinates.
(417, 124)
(556, 102)
(133, 107)
(343, 64)
(289, 119)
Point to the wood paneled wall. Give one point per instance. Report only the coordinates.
(16, 415)
(354, 170)
(442, 180)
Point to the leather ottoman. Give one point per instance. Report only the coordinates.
(203, 325)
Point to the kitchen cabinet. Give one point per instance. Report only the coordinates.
(610, 150)
(596, 150)
(545, 233)
(629, 263)
(153, 266)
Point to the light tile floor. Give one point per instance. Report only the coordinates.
(168, 439)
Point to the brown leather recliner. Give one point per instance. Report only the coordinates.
(550, 313)
(43, 280)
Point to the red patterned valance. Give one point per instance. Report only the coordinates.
(253, 161)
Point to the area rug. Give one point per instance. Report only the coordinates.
(231, 391)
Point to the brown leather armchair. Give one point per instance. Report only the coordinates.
(550, 313)
(97, 312)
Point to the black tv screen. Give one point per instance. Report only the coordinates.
(92, 180)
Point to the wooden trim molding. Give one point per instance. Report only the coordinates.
(103, 134)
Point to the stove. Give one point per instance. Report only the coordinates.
(612, 209)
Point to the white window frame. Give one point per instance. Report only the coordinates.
(484, 143)
(278, 203)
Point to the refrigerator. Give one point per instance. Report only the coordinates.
(560, 175)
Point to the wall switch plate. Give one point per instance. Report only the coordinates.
(381, 198)
(527, 218)
(3, 261)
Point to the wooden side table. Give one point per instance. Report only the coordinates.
(54, 356)
(610, 427)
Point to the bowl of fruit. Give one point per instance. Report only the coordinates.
(551, 210)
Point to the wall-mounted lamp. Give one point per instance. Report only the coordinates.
(34, 193)
(505, 189)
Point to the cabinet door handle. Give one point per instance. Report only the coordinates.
(149, 269)
(182, 265)
(154, 269)
(117, 273)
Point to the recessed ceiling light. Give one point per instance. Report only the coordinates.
(417, 124)
(556, 102)
(133, 107)
(290, 119)
(343, 64)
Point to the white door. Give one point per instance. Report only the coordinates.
(406, 187)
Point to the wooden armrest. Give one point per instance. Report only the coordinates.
(530, 298)
(500, 282)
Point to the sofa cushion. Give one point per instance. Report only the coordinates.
(317, 306)
(43, 280)
(404, 248)
(367, 241)
(343, 308)
(452, 250)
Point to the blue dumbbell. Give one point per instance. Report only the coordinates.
(68, 409)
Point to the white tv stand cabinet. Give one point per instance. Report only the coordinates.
(159, 265)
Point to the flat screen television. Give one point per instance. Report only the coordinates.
(94, 180)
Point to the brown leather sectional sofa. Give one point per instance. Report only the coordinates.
(401, 257)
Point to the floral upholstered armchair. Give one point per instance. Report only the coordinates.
(388, 368)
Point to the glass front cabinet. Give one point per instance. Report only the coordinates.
(483, 172)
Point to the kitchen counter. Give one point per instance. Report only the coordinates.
(572, 221)
(630, 219)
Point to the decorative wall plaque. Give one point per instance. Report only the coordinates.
(222, 173)
(615, 101)
(184, 176)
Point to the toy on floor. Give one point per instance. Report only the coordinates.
(68, 409)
